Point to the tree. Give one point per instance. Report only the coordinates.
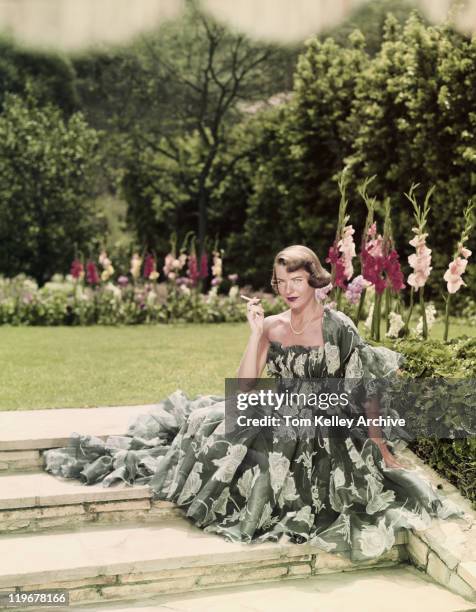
(50, 76)
(46, 182)
(192, 78)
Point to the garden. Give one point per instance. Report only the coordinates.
(129, 226)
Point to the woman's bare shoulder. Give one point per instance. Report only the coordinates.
(274, 324)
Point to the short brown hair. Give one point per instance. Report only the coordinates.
(296, 257)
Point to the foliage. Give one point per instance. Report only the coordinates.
(64, 301)
(455, 459)
(47, 167)
(404, 115)
(50, 76)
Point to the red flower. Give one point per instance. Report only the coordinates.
(77, 269)
(372, 268)
(335, 258)
(92, 275)
(193, 272)
(394, 272)
(204, 265)
(149, 266)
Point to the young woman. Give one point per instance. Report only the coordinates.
(345, 493)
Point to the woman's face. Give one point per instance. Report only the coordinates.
(294, 287)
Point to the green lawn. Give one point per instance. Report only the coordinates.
(51, 367)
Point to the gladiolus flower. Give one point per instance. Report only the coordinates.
(322, 292)
(136, 262)
(203, 266)
(123, 281)
(193, 271)
(396, 325)
(77, 270)
(419, 261)
(394, 271)
(453, 275)
(336, 260)
(347, 248)
(355, 288)
(92, 276)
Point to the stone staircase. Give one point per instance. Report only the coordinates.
(116, 544)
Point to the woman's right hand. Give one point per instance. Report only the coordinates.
(255, 316)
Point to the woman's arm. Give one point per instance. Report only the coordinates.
(254, 357)
(372, 410)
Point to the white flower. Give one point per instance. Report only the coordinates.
(306, 459)
(288, 491)
(228, 464)
(332, 358)
(375, 540)
(396, 324)
(316, 500)
(184, 289)
(430, 312)
(246, 482)
(278, 470)
(267, 520)
(339, 477)
(380, 502)
(345, 528)
(299, 363)
(219, 505)
(192, 484)
(305, 515)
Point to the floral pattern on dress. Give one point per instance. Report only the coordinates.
(334, 493)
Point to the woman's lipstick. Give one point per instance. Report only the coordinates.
(292, 299)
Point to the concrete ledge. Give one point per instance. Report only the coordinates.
(40, 429)
(155, 555)
(446, 551)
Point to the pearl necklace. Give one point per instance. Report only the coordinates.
(298, 333)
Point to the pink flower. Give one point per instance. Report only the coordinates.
(464, 251)
(233, 278)
(92, 275)
(123, 281)
(355, 288)
(453, 275)
(347, 248)
(419, 261)
(322, 292)
(372, 231)
(168, 265)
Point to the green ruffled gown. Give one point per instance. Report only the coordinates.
(336, 493)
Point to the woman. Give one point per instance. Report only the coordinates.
(344, 493)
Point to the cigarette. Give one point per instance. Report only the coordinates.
(247, 298)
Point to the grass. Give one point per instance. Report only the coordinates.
(52, 367)
(63, 367)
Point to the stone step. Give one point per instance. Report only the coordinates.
(105, 564)
(35, 502)
(33, 430)
(391, 589)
